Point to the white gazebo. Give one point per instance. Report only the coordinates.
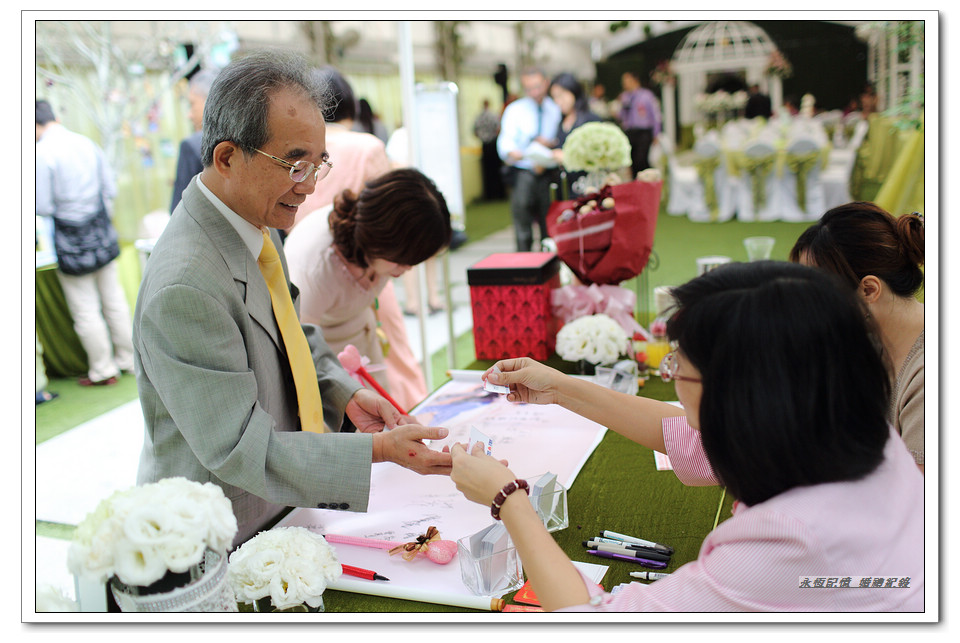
(717, 48)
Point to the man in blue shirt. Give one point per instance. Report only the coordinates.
(533, 118)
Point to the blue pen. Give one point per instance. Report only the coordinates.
(643, 562)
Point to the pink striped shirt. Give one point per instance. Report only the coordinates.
(755, 560)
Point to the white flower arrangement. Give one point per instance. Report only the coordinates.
(720, 101)
(291, 565)
(596, 147)
(597, 339)
(53, 599)
(141, 533)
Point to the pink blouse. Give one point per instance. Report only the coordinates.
(797, 550)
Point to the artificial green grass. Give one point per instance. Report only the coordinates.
(77, 404)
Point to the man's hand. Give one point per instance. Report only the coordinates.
(403, 445)
(371, 413)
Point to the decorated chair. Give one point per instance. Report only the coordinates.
(800, 190)
(842, 155)
(835, 182)
(682, 184)
(715, 203)
(757, 197)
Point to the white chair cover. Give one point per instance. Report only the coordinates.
(683, 184)
(790, 208)
(708, 147)
(849, 152)
(743, 193)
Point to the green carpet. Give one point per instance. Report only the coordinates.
(678, 242)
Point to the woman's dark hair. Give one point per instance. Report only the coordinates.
(570, 83)
(343, 105)
(400, 216)
(365, 116)
(859, 239)
(794, 390)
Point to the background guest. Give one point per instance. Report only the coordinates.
(360, 157)
(357, 156)
(75, 186)
(881, 258)
(367, 121)
(821, 482)
(640, 119)
(598, 102)
(188, 161)
(758, 104)
(342, 256)
(533, 118)
(567, 92)
(486, 128)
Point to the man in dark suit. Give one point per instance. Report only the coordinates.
(757, 104)
(188, 162)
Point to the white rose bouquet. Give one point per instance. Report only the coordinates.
(597, 339)
(291, 565)
(596, 147)
(140, 534)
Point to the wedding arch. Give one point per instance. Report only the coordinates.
(708, 53)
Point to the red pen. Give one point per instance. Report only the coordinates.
(359, 572)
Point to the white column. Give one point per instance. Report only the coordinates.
(776, 94)
(670, 113)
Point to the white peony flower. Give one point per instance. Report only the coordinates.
(140, 533)
(595, 338)
(292, 565)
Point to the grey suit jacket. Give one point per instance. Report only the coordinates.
(218, 398)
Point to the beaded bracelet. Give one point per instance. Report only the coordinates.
(501, 496)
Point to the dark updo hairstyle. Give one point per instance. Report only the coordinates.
(344, 104)
(570, 83)
(859, 239)
(400, 216)
(794, 391)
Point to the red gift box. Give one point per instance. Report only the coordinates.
(510, 297)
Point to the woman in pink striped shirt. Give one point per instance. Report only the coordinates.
(825, 490)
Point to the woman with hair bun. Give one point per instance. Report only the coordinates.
(881, 257)
(342, 256)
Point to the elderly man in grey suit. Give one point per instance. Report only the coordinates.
(219, 397)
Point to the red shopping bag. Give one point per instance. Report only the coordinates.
(607, 246)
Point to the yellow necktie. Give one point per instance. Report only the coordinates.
(298, 351)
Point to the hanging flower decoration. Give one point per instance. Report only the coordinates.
(778, 65)
(663, 74)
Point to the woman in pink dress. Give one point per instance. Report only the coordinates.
(784, 403)
(342, 257)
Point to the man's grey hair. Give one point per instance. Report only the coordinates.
(202, 81)
(239, 99)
